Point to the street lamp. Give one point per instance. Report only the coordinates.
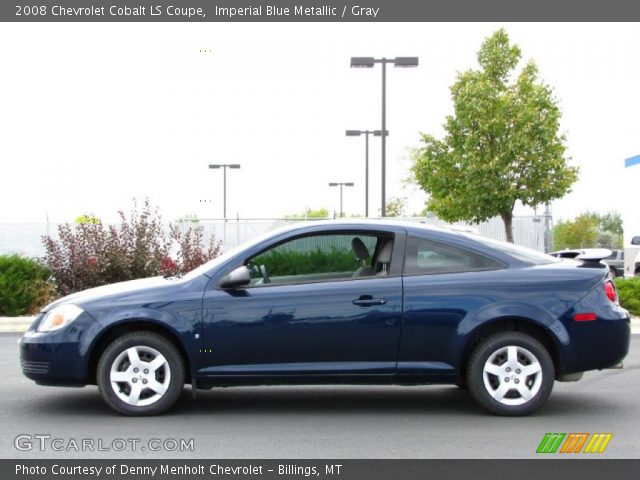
(369, 62)
(341, 184)
(366, 133)
(224, 166)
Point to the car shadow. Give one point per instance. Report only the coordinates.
(312, 400)
(328, 399)
(274, 400)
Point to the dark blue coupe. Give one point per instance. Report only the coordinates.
(340, 303)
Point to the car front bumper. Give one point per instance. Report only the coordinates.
(60, 357)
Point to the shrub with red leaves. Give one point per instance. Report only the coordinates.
(90, 254)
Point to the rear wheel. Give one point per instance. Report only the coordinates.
(510, 373)
(140, 373)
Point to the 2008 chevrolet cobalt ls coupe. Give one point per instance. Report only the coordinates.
(335, 302)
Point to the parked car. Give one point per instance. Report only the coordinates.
(614, 260)
(340, 303)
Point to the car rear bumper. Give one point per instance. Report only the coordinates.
(597, 345)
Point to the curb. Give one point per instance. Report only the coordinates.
(15, 324)
(20, 324)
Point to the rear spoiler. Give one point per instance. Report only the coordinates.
(593, 257)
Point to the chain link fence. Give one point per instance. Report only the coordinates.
(528, 231)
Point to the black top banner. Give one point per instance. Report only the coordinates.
(317, 11)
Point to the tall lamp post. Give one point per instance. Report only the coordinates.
(224, 166)
(369, 62)
(341, 185)
(366, 133)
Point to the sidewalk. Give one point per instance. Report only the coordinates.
(15, 324)
(20, 324)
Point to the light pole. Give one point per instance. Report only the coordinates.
(369, 62)
(341, 184)
(548, 228)
(366, 133)
(224, 166)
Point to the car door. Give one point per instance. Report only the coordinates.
(306, 313)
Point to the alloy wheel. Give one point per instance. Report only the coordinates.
(512, 375)
(140, 375)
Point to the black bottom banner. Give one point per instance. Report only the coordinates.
(583, 469)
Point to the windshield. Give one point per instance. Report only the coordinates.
(524, 254)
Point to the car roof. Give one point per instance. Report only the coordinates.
(378, 223)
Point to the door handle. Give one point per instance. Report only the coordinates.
(368, 301)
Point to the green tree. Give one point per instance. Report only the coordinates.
(86, 219)
(308, 213)
(396, 206)
(578, 233)
(610, 222)
(610, 233)
(589, 229)
(501, 144)
(188, 218)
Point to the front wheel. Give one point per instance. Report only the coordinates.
(510, 373)
(140, 373)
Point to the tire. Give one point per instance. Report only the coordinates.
(613, 271)
(498, 381)
(131, 389)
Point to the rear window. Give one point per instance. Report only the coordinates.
(523, 254)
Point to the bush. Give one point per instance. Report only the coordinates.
(90, 254)
(24, 286)
(629, 294)
(290, 262)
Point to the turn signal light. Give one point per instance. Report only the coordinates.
(57, 320)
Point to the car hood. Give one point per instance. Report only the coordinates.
(130, 287)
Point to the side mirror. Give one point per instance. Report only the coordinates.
(236, 278)
(635, 240)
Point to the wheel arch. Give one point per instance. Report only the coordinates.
(115, 330)
(514, 324)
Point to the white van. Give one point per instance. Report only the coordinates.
(632, 257)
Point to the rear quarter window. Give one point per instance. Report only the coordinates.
(523, 254)
(426, 257)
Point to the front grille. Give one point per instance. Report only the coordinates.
(34, 367)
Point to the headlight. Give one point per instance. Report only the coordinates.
(58, 317)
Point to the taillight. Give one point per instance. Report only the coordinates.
(610, 291)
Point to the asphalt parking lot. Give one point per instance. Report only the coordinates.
(319, 422)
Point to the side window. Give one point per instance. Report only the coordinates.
(315, 258)
(425, 257)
